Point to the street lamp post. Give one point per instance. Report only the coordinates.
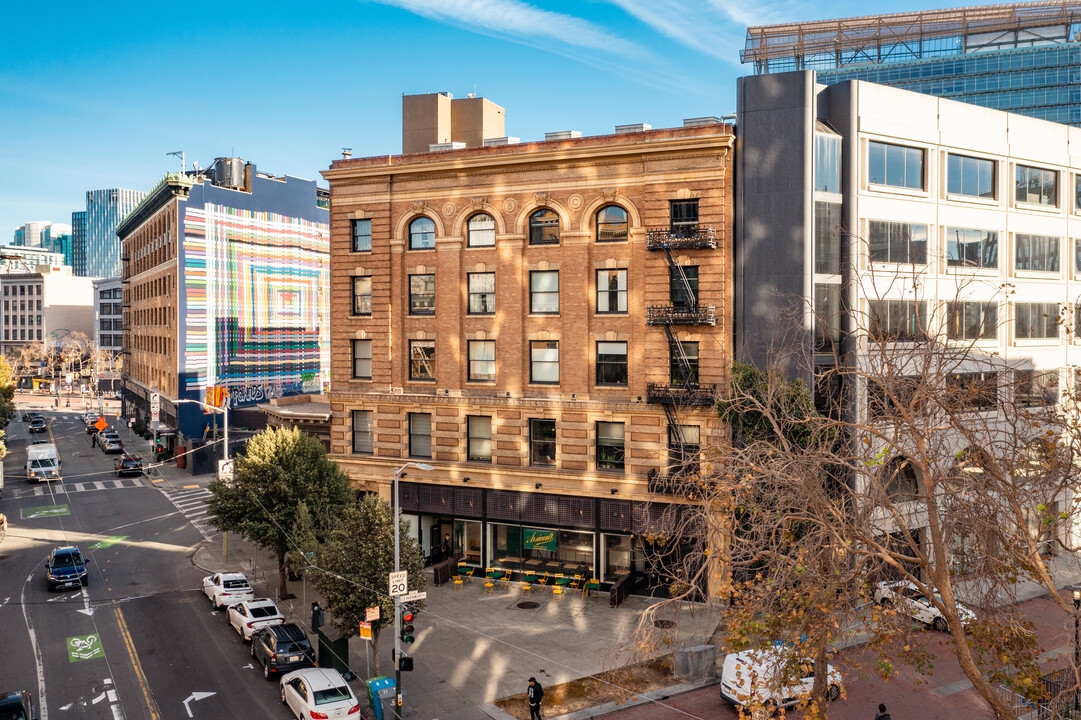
(398, 472)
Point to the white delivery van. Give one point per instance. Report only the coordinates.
(753, 677)
(42, 462)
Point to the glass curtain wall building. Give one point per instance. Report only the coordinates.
(104, 211)
(78, 242)
(1020, 57)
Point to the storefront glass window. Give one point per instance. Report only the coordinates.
(617, 557)
(467, 541)
(540, 550)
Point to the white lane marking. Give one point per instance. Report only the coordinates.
(43, 708)
(195, 697)
(87, 610)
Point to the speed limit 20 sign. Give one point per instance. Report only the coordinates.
(399, 584)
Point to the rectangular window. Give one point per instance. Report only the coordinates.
(1036, 320)
(481, 293)
(827, 317)
(970, 176)
(362, 432)
(1077, 192)
(683, 294)
(362, 359)
(544, 292)
(420, 435)
(1035, 388)
(422, 359)
(684, 361)
(611, 363)
(827, 160)
(974, 390)
(482, 360)
(970, 248)
(611, 291)
(479, 429)
(610, 445)
(422, 294)
(1036, 186)
(362, 296)
(894, 165)
(542, 442)
(362, 235)
(1037, 252)
(898, 321)
(544, 361)
(683, 216)
(897, 242)
(972, 320)
(684, 448)
(827, 238)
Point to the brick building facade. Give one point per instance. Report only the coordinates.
(535, 321)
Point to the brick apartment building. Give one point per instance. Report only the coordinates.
(545, 323)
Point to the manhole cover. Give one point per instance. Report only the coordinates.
(529, 605)
(664, 624)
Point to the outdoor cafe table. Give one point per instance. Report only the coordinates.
(591, 586)
(564, 581)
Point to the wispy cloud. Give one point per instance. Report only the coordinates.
(519, 21)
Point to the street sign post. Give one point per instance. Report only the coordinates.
(225, 471)
(365, 631)
(155, 409)
(371, 613)
(399, 584)
(414, 596)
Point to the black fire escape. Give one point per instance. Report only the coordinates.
(683, 388)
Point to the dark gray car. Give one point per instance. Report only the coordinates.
(281, 649)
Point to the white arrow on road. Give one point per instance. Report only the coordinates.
(249, 666)
(196, 696)
(87, 610)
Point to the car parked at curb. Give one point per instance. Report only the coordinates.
(128, 465)
(318, 694)
(907, 598)
(756, 678)
(17, 705)
(282, 649)
(66, 567)
(225, 589)
(248, 616)
(109, 441)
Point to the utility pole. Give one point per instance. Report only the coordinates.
(398, 472)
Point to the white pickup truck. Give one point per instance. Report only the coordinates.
(42, 463)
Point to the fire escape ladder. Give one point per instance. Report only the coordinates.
(681, 278)
(683, 365)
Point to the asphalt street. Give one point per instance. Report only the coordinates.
(141, 638)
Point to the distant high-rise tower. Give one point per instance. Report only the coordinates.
(78, 242)
(44, 235)
(104, 211)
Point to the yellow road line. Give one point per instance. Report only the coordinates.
(158, 480)
(190, 487)
(129, 644)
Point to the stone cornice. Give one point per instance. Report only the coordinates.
(561, 404)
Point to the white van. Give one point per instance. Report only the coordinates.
(42, 462)
(752, 677)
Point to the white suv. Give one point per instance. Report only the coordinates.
(225, 589)
(910, 600)
(251, 615)
(753, 677)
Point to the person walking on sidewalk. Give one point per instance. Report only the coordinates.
(535, 695)
(882, 714)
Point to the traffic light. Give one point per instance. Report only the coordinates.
(317, 616)
(405, 663)
(407, 633)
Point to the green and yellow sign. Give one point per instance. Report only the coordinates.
(43, 512)
(539, 539)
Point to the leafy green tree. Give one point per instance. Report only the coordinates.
(283, 470)
(7, 396)
(354, 563)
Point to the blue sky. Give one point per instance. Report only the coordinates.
(93, 95)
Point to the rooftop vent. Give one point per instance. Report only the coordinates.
(440, 147)
(635, 128)
(492, 142)
(700, 121)
(563, 135)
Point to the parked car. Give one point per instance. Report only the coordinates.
(90, 429)
(318, 693)
(908, 599)
(90, 417)
(66, 567)
(752, 677)
(37, 425)
(32, 415)
(17, 705)
(248, 616)
(109, 441)
(128, 465)
(281, 649)
(225, 589)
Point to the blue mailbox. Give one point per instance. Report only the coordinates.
(382, 696)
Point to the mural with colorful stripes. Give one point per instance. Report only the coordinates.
(257, 316)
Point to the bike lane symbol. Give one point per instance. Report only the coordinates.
(84, 648)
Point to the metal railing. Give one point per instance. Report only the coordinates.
(685, 482)
(684, 239)
(692, 394)
(681, 315)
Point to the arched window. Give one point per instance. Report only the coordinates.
(480, 231)
(899, 478)
(611, 224)
(544, 227)
(422, 234)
